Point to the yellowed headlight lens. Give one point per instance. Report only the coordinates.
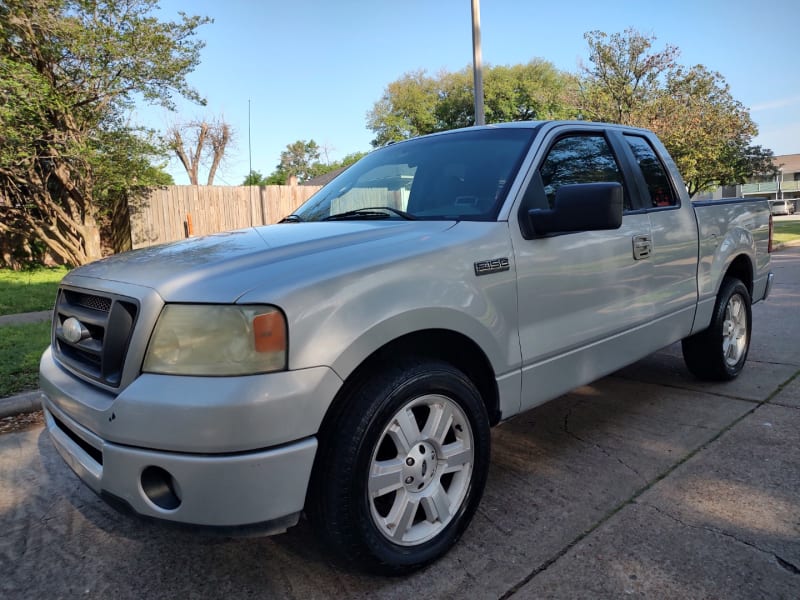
(210, 339)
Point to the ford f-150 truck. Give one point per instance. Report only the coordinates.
(348, 362)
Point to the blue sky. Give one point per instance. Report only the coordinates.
(313, 69)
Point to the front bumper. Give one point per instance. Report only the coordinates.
(265, 488)
(770, 280)
(762, 287)
(218, 452)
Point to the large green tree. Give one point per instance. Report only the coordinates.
(706, 130)
(302, 159)
(255, 178)
(624, 77)
(417, 103)
(626, 80)
(70, 70)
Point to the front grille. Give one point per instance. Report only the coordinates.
(106, 323)
(90, 301)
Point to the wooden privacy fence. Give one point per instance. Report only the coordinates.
(170, 213)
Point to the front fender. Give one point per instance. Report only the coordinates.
(341, 321)
(413, 321)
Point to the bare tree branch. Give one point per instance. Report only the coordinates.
(196, 142)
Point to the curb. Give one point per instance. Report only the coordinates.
(785, 245)
(27, 402)
(23, 318)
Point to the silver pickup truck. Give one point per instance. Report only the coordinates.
(349, 362)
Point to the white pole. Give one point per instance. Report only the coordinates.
(477, 67)
(249, 143)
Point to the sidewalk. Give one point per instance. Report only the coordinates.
(24, 318)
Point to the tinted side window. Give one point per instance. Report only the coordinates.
(579, 159)
(661, 194)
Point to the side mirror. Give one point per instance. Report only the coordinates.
(581, 207)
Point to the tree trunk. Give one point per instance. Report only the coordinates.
(91, 239)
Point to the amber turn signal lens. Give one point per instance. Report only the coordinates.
(269, 332)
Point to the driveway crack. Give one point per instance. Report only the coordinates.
(787, 565)
(782, 562)
(485, 514)
(574, 435)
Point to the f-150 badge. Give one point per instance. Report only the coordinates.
(494, 265)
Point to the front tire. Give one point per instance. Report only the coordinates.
(719, 352)
(402, 470)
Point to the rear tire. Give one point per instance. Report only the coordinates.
(401, 471)
(719, 352)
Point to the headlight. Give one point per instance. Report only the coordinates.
(207, 339)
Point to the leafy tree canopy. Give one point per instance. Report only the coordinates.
(255, 178)
(70, 71)
(707, 131)
(302, 159)
(417, 104)
(626, 80)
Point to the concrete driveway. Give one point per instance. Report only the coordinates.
(644, 484)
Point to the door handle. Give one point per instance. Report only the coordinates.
(642, 246)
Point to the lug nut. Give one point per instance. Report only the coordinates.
(410, 461)
(409, 480)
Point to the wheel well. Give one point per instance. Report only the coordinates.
(742, 270)
(442, 344)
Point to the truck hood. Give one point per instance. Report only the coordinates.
(224, 266)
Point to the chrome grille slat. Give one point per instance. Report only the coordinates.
(86, 316)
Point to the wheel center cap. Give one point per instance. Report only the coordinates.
(420, 466)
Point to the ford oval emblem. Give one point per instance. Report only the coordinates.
(72, 329)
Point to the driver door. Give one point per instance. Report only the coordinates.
(578, 292)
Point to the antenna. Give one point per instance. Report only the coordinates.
(250, 164)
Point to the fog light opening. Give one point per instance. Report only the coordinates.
(160, 488)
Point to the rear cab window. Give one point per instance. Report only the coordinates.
(659, 192)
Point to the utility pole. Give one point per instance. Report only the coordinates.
(477, 67)
(249, 142)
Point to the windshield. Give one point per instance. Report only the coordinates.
(462, 175)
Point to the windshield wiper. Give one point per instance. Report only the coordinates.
(371, 212)
(291, 219)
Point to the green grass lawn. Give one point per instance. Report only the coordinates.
(29, 290)
(786, 231)
(21, 346)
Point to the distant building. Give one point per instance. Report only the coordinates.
(324, 179)
(783, 186)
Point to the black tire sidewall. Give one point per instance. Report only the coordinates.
(371, 407)
(703, 352)
(730, 288)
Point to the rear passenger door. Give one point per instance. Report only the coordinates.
(673, 227)
(578, 292)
